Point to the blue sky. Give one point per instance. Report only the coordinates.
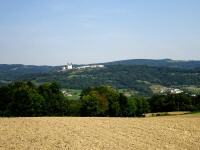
(52, 32)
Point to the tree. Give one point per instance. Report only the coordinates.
(25, 101)
(55, 102)
(90, 105)
(142, 106)
(124, 105)
(5, 99)
(132, 107)
(103, 101)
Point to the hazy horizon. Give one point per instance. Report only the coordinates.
(51, 32)
(74, 63)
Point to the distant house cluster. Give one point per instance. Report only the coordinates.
(65, 93)
(171, 91)
(69, 66)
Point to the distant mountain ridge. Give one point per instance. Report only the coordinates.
(191, 64)
(13, 71)
(31, 68)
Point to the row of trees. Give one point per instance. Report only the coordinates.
(27, 99)
(106, 101)
(174, 102)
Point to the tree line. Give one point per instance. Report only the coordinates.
(27, 99)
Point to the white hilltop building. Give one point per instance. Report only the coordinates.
(69, 66)
(90, 66)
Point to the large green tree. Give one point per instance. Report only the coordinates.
(103, 101)
(55, 102)
(25, 101)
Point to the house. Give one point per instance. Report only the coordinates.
(176, 91)
(171, 91)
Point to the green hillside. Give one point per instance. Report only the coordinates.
(139, 76)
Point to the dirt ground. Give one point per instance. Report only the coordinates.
(174, 132)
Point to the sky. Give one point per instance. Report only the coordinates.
(54, 32)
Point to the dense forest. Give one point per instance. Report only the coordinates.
(27, 99)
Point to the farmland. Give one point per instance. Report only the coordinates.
(169, 132)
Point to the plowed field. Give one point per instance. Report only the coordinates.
(177, 132)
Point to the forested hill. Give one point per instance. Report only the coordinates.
(142, 78)
(13, 71)
(158, 63)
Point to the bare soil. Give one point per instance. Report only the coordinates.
(170, 132)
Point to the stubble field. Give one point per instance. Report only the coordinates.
(174, 132)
